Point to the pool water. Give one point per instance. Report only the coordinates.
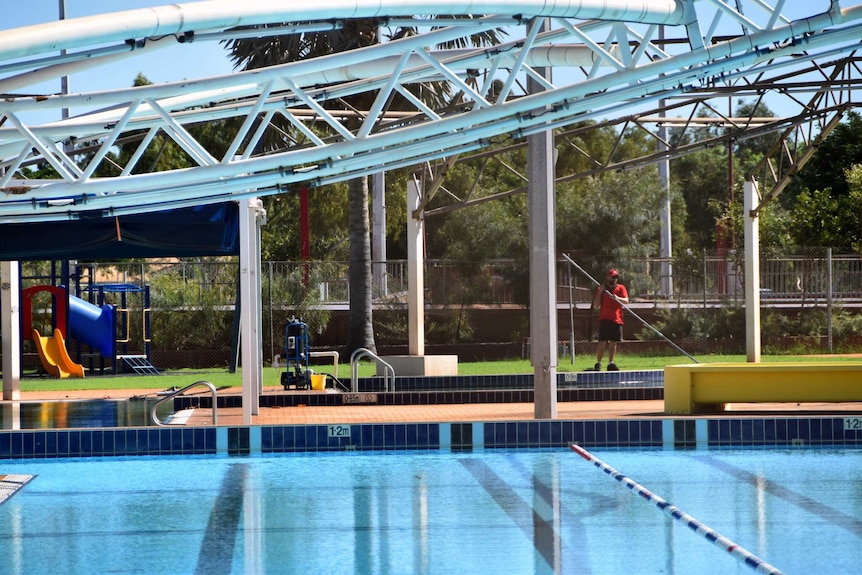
(516, 512)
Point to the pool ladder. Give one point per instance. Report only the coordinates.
(173, 394)
(388, 371)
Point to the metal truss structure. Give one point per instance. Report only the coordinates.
(632, 62)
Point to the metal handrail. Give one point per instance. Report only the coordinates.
(178, 392)
(354, 369)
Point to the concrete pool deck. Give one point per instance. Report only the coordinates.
(633, 409)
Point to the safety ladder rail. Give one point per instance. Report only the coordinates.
(354, 369)
(183, 390)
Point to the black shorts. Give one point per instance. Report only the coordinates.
(610, 331)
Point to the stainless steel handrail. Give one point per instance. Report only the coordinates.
(178, 392)
(354, 369)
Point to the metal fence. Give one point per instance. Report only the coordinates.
(192, 303)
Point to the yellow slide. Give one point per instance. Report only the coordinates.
(55, 358)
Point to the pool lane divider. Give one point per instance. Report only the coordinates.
(674, 512)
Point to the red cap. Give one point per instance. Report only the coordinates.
(613, 273)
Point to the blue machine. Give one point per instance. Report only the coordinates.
(296, 373)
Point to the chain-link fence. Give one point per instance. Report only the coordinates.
(476, 310)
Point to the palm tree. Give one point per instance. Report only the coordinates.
(261, 52)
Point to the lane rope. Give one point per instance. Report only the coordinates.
(674, 512)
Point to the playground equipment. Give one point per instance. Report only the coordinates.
(52, 350)
(127, 349)
(104, 329)
(54, 356)
(296, 373)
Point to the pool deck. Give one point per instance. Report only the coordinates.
(596, 410)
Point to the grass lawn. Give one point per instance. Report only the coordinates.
(220, 378)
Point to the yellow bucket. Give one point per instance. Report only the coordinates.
(318, 381)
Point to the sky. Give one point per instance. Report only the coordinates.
(198, 60)
(166, 65)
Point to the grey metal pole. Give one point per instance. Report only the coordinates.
(829, 299)
(571, 314)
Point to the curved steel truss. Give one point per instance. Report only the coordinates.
(611, 59)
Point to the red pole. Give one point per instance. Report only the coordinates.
(304, 243)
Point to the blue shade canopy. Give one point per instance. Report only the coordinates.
(209, 230)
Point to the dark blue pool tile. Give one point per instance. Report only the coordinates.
(578, 432)
(51, 443)
(589, 433)
(401, 436)
(746, 431)
(612, 433)
(804, 430)
(288, 439)
(422, 436)
(187, 442)
(792, 430)
(624, 434)
(758, 432)
(433, 436)
(142, 445)
(273, 440)
(533, 433)
(556, 438)
(511, 436)
(378, 438)
(153, 441)
(781, 431)
(266, 439)
(176, 437)
(39, 443)
(601, 433)
(108, 447)
(366, 436)
(411, 434)
(815, 431)
(735, 432)
(308, 439)
(98, 441)
(838, 430)
(16, 442)
(322, 437)
(770, 433)
(522, 433)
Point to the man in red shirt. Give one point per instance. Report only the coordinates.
(609, 299)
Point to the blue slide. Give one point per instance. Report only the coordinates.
(93, 325)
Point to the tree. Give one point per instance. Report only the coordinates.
(823, 218)
(260, 52)
(841, 150)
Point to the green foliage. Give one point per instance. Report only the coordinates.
(817, 219)
(192, 316)
(724, 323)
(610, 220)
(327, 221)
(839, 151)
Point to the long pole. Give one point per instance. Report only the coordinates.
(628, 309)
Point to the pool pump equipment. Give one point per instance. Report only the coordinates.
(296, 373)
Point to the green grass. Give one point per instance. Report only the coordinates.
(272, 376)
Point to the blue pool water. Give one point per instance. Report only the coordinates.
(492, 512)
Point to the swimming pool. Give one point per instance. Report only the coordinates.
(500, 511)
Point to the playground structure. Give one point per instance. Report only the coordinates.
(102, 333)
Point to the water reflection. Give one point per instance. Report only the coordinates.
(76, 413)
